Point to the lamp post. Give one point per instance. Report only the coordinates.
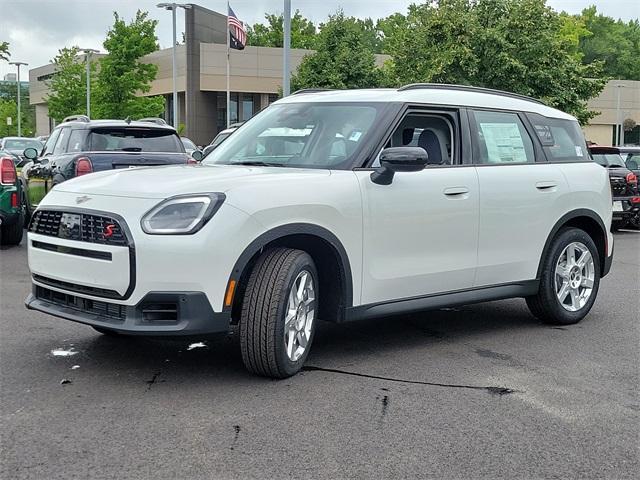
(18, 65)
(173, 7)
(619, 129)
(88, 52)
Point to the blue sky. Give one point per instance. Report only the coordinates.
(36, 29)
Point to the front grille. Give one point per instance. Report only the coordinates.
(111, 311)
(98, 292)
(84, 227)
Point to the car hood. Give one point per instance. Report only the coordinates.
(164, 182)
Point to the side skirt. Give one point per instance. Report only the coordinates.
(446, 299)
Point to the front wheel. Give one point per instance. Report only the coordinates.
(569, 280)
(278, 318)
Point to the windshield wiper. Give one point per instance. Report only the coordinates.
(256, 163)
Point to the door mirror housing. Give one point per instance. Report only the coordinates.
(399, 159)
(197, 155)
(30, 153)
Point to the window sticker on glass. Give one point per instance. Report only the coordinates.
(578, 151)
(544, 134)
(504, 142)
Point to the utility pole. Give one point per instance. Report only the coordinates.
(18, 65)
(619, 128)
(88, 52)
(286, 88)
(173, 7)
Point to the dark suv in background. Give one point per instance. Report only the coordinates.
(624, 186)
(79, 146)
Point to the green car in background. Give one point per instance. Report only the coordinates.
(12, 215)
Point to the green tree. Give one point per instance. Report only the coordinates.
(4, 51)
(9, 91)
(122, 77)
(303, 32)
(513, 45)
(9, 109)
(68, 85)
(615, 43)
(344, 57)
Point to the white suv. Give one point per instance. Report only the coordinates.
(334, 205)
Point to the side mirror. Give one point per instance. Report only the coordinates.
(197, 155)
(30, 153)
(399, 159)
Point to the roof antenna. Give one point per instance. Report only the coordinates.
(128, 120)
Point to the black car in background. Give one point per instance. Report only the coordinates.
(624, 186)
(79, 146)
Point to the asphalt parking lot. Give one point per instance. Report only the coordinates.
(482, 391)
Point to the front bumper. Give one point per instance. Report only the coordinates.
(157, 314)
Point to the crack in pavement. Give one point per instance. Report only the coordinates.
(492, 390)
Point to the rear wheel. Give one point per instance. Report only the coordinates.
(569, 280)
(278, 318)
(12, 234)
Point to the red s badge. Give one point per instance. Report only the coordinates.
(108, 230)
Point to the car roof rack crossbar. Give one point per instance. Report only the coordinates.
(76, 118)
(312, 90)
(468, 88)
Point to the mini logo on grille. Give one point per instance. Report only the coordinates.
(82, 199)
(108, 230)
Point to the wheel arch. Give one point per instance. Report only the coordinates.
(586, 220)
(328, 253)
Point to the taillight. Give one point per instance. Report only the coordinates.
(83, 166)
(14, 200)
(7, 171)
(191, 161)
(635, 199)
(631, 178)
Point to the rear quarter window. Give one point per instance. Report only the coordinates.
(562, 140)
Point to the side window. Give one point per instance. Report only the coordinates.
(501, 138)
(51, 142)
(562, 140)
(433, 132)
(76, 141)
(63, 138)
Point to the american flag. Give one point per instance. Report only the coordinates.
(237, 33)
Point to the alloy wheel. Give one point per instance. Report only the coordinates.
(574, 276)
(300, 315)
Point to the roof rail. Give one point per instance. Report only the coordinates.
(468, 88)
(76, 118)
(156, 120)
(312, 90)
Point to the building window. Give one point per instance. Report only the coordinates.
(247, 106)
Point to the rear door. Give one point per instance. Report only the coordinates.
(521, 197)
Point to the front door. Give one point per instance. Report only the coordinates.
(421, 232)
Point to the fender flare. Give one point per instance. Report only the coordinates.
(298, 229)
(580, 212)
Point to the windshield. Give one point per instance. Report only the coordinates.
(188, 144)
(608, 159)
(135, 140)
(22, 143)
(310, 135)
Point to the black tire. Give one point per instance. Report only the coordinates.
(12, 234)
(262, 321)
(545, 305)
(106, 331)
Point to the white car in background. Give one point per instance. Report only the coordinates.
(335, 205)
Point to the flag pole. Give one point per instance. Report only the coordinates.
(228, 71)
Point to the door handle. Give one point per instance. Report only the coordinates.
(546, 186)
(453, 191)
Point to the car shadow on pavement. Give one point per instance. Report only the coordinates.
(199, 358)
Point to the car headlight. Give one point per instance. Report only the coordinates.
(181, 215)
